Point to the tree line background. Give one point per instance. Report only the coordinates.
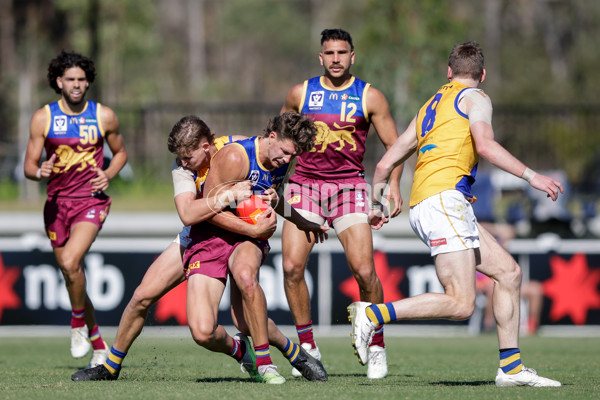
(232, 61)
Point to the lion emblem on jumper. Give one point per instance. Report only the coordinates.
(326, 136)
(68, 158)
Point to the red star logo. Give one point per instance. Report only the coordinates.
(573, 288)
(172, 305)
(390, 280)
(8, 298)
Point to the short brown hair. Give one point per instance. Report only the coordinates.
(187, 134)
(297, 127)
(466, 59)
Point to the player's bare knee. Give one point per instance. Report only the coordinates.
(71, 272)
(293, 271)
(140, 300)
(365, 277)
(202, 333)
(247, 283)
(511, 276)
(463, 310)
(293, 277)
(70, 265)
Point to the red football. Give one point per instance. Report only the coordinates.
(250, 209)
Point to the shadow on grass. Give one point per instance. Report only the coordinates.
(355, 375)
(473, 383)
(221, 380)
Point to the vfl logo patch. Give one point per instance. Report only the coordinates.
(437, 242)
(254, 177)
(315, 100)
(59, 124)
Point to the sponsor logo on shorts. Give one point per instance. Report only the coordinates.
(194, 265)
(91, 214)
(102, 215)
(295, 199)
(359, 197)
(437, 242)
(52, 235)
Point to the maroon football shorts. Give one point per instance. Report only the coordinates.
(329, 200)
(210, 256)
(62, 213)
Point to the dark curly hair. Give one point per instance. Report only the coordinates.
(66, 60)
(296, 127)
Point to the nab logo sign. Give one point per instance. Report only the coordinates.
(45, 286)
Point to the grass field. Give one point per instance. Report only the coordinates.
(140, 195)
(420, 368)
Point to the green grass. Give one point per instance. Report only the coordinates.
(420, 368)
(138, 195)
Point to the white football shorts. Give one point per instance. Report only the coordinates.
(445, 222)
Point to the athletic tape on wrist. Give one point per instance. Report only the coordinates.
(528, 174)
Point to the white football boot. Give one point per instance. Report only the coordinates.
(362, 329)
(377, 366)
(527, 377)
(98, 357)
(80, 344)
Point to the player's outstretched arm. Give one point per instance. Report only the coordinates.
(478, 106)
(493, 151)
